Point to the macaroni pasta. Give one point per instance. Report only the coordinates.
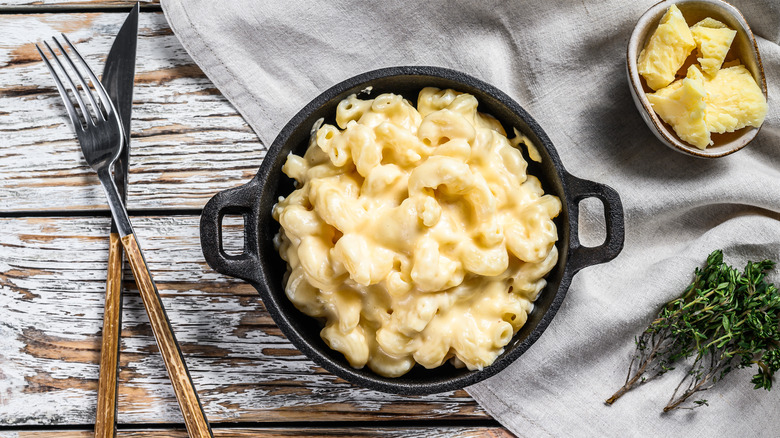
(415, 233)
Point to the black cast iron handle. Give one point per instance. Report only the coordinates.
(583, 256)
(242, 200)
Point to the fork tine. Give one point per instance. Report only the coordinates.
(98, 86)
(74, 118)
(90, 97)
(82, 105)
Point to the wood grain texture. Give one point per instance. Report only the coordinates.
(52, 283)
(34, 5)
(105, 421)
(356, 432)
(186, 395)
(188, 142)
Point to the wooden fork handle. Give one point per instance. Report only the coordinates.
(105, 421)
(194, 417)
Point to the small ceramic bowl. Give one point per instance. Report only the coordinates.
(744, 48)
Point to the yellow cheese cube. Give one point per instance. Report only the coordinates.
(734, 100)
(713, 39)
(682, 106)
(666, 51)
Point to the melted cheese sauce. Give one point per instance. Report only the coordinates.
(415, 233)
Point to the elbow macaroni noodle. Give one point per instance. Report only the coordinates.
(415, 233)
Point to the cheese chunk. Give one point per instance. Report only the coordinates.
(682, 105)
(734, 100)
(665, 53)
(713, 40)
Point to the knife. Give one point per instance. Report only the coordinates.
(118, 78)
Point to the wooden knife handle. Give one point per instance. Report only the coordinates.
(194, 417)
(105, 420)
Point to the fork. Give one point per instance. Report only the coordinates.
(100, 134)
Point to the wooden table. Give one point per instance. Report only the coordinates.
(188, 144)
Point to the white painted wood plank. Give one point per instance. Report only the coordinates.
(33, 5)
(356, 432)
(52, 279)
(188, 141)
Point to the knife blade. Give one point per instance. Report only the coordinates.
(118, 78)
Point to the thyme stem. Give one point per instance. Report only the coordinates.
(725, 319)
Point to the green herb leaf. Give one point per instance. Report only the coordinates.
(724, 319)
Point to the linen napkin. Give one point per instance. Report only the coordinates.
(564, 62)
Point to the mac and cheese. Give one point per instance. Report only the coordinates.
(415, 233)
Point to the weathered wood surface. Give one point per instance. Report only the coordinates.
(183, 388)
(36, 5)
(52, 284)
(188, 143)
(356, 432)
(188, 140)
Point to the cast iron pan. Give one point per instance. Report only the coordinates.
(260, 264)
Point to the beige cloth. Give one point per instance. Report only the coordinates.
(564, 62)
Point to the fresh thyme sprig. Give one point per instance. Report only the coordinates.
(726, 319)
